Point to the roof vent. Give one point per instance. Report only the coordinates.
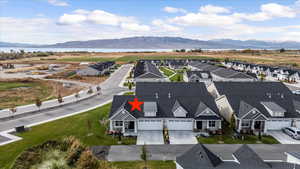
(282, 96)
(156, 95)
(269, 95)
(169, 95)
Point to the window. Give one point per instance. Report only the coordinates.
(245, 124)
(212, 124)
(118, 123)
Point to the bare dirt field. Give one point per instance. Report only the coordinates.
(69, 74)
(25, 91)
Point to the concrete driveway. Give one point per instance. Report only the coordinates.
(182, 137)
(150, 137)
(283, 138)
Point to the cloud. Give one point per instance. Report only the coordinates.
(160, 24)
(217, 16)
(174, 10)
(211, 9)
(101, 17)
(58, 3)
(269, 11)
(135, 27)
(204, 19)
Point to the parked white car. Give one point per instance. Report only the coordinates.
(293, 132)
(297, 92)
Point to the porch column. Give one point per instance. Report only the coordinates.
(123, 127)
(240, 125)
(110, 125)
(252, 124)
(220, 124)
(207, 124)
(135, 126)
(265, 126)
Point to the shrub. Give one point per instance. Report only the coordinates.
(74, 152)
(87, 161)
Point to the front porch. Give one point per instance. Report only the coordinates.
(208, 125)
(251, 126)
(127, 128)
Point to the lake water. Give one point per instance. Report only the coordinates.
(7, 49)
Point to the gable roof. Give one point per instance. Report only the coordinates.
(254, 93)
(247, 157)
(244, 109)
(146, 67)
(198, 156)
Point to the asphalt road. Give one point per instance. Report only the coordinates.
(169, 152)
(109, 88)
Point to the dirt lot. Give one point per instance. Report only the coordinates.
(69, 74)
(25, 91)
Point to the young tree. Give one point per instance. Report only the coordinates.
(77, 96)
(129, 85)
(60, 99)
(144, 156)
(98, 88)
(90, 91)
(38, 103)
(13, 111)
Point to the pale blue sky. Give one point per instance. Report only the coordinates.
(51, 21)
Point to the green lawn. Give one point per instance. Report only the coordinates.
(129, 93)
(227, 138)
(167, 71)
(178, 77)
(140, 165)
(71, 126)
(11, 85)
(249, 139)
(11, 98)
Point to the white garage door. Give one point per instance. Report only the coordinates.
(277, 124)
(150, 125)
(180, 124)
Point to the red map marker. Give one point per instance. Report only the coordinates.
(136, 104)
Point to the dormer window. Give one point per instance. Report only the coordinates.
(150, 109)
(274, 109)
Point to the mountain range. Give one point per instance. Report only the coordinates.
(164, 43)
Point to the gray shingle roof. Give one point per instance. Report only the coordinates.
(247, 157)
(295, 154)
(253, 93)
(187, 95)
(199, 157)
(244, 109)
(147, 70)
